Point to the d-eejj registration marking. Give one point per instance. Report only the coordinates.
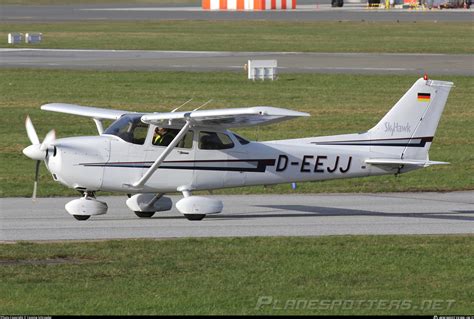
(315, 164)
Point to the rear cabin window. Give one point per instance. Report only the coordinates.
(214, 141)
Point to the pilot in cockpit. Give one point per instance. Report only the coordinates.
(162, 136)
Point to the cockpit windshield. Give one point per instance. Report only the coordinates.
(129, 128)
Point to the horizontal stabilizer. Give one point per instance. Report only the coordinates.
(398, 162)
(93, 112)
(226, 118)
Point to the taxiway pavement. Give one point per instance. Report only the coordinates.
(362, 63)
(249, 215)
(304, 12)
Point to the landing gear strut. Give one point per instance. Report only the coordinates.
(145, 205)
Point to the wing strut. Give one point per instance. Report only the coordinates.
(99, 125)
(162, 157)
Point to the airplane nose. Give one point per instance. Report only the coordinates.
(54, 162)
(34, 152)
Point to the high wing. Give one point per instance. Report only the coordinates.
(224, 118)
(94, 112)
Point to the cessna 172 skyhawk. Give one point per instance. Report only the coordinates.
(205, 155)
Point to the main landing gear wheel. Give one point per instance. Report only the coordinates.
(194, 216)
(81, 217)
(144, 214)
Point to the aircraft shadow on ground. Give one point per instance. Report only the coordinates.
(281, 211)
(312, 211)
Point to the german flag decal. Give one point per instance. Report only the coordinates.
(424, 97)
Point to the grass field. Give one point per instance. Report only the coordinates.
(338, 104)
(403, 274)
(388, 37)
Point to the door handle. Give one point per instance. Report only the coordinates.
(183, 152)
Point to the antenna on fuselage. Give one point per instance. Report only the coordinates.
(182, 105)
(170, 121)
(203, 105)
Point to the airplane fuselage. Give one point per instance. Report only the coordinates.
(109, 163)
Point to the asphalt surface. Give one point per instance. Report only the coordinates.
(369, 63)
(249, 215)
(304, 12)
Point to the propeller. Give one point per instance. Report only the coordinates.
(30, 130)
(37, 151)
(48, 140)
(35, 185)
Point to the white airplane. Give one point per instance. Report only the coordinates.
(204, 155)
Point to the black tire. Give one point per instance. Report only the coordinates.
(144, 214)
(81, 217)
(194, 216)
(340, 3)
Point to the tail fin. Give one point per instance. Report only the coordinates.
(407, 130)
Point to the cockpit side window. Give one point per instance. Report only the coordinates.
(163, 137)
(129, 128)
(214, 141)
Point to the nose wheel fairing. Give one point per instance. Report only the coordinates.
(84, 207)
